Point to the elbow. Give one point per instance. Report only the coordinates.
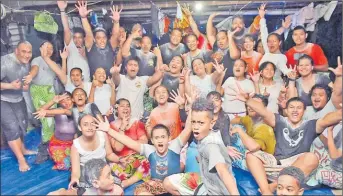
(235, 55)
(255, 148)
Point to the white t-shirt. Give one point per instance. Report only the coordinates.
(274, 91)
(133, 90)
(230, 104)
(280, 61)
(102, 96)
(86, 86)
(75, 59)
(204, 85)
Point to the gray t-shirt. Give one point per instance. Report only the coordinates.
(147, 62)
(168, 53)
(45, 75)
(203, 54)
(212, 153)
(292, 141)
(98, 57)
(336, 164)
(11, 70)
(311, 113)
(227, 62)
(319, 78)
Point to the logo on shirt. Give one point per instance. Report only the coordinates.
(292, 142)
(162, 167)
(138, 84)
(150, 62)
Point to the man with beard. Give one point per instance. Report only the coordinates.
(14, 73)
(174, 47)
(100, 50)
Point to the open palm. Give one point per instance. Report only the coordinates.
(82, 7)
(116, 13)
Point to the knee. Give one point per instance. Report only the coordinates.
(310, 160)
(167, 184)
(250, 157)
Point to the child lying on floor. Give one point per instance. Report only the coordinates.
(99, 179)
(164, 158)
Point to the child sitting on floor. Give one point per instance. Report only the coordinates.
(164, 158)
(289, 181)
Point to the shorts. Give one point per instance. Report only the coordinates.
(13, 119)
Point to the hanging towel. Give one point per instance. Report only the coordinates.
(155, 20)
(44, 22)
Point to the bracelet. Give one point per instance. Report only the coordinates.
(115, 22)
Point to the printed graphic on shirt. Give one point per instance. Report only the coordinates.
(293, 141)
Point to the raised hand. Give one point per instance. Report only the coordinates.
(177, 98)
(16, 84)
(101, 126)
(293, 74)
(230, 33)
(39, 114)
(109, 111)
(109, 81)
(241, 94)
(95, 83)
(262, 10)
(218, 67)
(338, 70)
(195, 94)
(125, 123)
(287, 22)
(58, 98)
(115, 69)
(82, 7)
(255, 77)
(116, 13)
(156, 51)
(186, 10)
(62, 5)
(182, 76)
(214, 15)
(65, 53)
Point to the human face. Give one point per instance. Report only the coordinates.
(66, 103)
(132, 68)
(175, 37)
(260, 48)
(78, 39)
(100, 39)
(304, 67)
(76, 77)
(160, 140)
(252, 112)
(217, 102)
(239, 68)
(87, 126)
(273, 44)
(146, 44)
(124, 109)
(106, 180)
(175, 65)
(222, 40)
(100, 75)
(288, 185)
(299, 37)
(238, 23)
(201, 124)
(295, 111)
(192, 43)
(319, 98)
(248, 44)
(161, 95)
(199, 67)
(121, 31)
(50, 48)
(24, 53)
(268, 72)
(79, 97)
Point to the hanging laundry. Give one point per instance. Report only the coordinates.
(94, 19)
(166, 24)
(178, 11)
(44, 22)
(155, 20)
(181, 21)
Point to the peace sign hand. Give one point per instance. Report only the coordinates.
(255, 77)
(338, 70)
(101, 126)
(218, 67)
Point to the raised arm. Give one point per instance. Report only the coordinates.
(115, 30)
(62, 5)
(83, 12)
(285, 25)
(333, 151)
(159, 70)
(263, 28)
(216, 76)
(53, 65)
(110, 155)
(336, 96)
(211, 37)
(328, 120)
(110, 82)
(115, 71)
(64, 56)
(235, 53)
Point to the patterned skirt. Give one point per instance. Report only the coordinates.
(154, 187)
(60, 153)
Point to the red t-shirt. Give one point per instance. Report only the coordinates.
(136, 130)
(313, 50)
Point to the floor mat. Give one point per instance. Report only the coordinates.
(41, 179)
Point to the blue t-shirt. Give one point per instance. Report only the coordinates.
(162, 167)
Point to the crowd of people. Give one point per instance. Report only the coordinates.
(180, 115)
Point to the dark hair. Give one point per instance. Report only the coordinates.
(177, 29)
(182, 62)
(326, 88)
(160, 126)
(263, 98)
(295, 172)
(45, 41)
(82, 115)
(295, 99)
(146, 36)
(245, 63)
(72, 94)
(202, 60)
(222, 31)
(249, 36)
(79, 30)
(214, 94)
(162, 87)
(76, 68)
(133, 58)
(203, 105)
(237, 16)
(118, 102)
(192, 34)
(257, 42)
(98, 29)
(265, 64)
(305, 56)
(299, 27)
(93, 169)
(276, 35)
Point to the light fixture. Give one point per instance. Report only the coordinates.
(198, 6)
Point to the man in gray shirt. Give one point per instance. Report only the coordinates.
(174, 47)
(14, 71)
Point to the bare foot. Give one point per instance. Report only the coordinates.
(29, 152)
(23, 166)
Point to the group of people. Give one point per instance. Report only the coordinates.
(180, 115)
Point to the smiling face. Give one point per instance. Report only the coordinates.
(295, 111)
(222, 40)
(304, 67)
(299, 36)
(319, 98)
(76, 77)
(268, 72)
(273, 43)
(175, 65)
(260, 48)
(175, 37)
(239, 68)
(248, 44)
(238, 23)
(201, 124)
(24, 53)
(132, 68)
(87, 126)
(100, 74)
(198, 67)
(192, 42)
(100, 39)
(146, 44)
(67, 103)
(124, 109)
(79, 97)
(160, 139)
(78, 39)
(161, 95)
(288, 185)
(217, 103)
